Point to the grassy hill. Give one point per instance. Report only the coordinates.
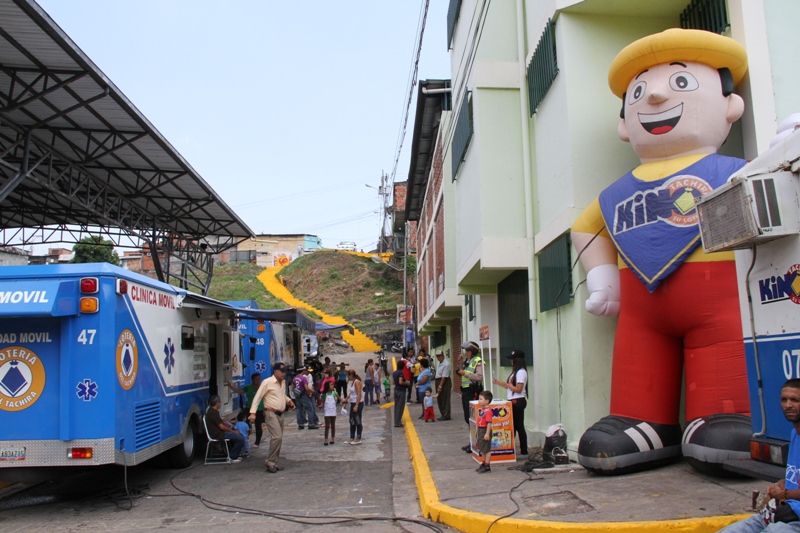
(343, 284)
(237, 281)
(363, 292)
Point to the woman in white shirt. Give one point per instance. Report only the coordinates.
(517, 387)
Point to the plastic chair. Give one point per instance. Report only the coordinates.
(210, 458)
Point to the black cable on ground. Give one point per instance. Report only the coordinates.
(288, 517)
(511, 497)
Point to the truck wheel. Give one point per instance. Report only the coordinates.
(181, 455)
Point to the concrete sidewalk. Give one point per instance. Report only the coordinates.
(565, 498)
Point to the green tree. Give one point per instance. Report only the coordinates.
(95, 249)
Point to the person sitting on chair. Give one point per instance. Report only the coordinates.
(219, 431)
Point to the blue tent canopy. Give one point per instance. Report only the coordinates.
(330, 328)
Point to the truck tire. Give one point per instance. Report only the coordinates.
(181, 456)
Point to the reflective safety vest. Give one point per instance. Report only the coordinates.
(471, 367)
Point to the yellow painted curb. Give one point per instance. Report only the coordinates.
(473, 522)
(387, 405)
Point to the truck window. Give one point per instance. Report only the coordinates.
(187, 338)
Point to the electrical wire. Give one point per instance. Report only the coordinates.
(287, 517)
(411, 85)
(301, 194)
(339, 222)
(511, 497)
(558, 316)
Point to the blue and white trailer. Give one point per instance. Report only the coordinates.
(268, 337)
(101, 365)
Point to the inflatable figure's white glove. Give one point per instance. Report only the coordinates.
(603, 284)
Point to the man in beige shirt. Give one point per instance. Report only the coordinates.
(272, 390)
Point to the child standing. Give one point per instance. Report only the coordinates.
(387, 387)
(330, 399)
(376, 379)
(429, 414)
(485, 431)
(244, 428)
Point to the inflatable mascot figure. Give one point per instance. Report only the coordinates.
(678, 307)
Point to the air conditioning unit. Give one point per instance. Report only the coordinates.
(750, 210)
(761, 202)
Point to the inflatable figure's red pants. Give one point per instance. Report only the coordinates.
(692, 322)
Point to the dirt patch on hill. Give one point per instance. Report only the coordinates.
(344, 284)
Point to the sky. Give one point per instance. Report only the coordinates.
(287, 109)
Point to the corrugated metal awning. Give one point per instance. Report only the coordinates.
(76, 153)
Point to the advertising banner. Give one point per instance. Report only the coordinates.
(503, 450)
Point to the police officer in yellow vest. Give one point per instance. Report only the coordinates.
(471, 373)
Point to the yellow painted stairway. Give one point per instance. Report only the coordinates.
(358, 340)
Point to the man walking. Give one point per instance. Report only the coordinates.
(444, 385)
(409, 337)
(306, 412)
(786, 490)
(401, 387)
(218, 430)
(275, 403)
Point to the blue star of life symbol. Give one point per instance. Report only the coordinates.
(169, 360)
(87, 389)
(261, 366)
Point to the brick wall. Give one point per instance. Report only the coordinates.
(438, 259)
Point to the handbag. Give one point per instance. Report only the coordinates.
(784, 513)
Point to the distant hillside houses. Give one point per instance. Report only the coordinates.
(272, 250)
(52, 257)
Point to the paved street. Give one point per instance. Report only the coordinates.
(322, 486)
(374, 479)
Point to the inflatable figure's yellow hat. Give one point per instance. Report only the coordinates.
(676, 44)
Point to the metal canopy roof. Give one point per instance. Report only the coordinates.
(77, 158)
(426, 126)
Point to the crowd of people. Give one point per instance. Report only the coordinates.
(329, 386)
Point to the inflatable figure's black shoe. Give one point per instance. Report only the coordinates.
(710, 441)
(618, 445)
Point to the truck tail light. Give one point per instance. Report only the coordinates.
(79, 453)
(122, 286)
(766, 452)
(261, 327)
(89, 305)
(89, 285)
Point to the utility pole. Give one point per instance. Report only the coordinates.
(382, 193)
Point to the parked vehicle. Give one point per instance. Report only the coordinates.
(347, 246)
(101, 365)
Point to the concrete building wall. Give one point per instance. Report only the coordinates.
(13, 257)
(574, 153)
(272, 249)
